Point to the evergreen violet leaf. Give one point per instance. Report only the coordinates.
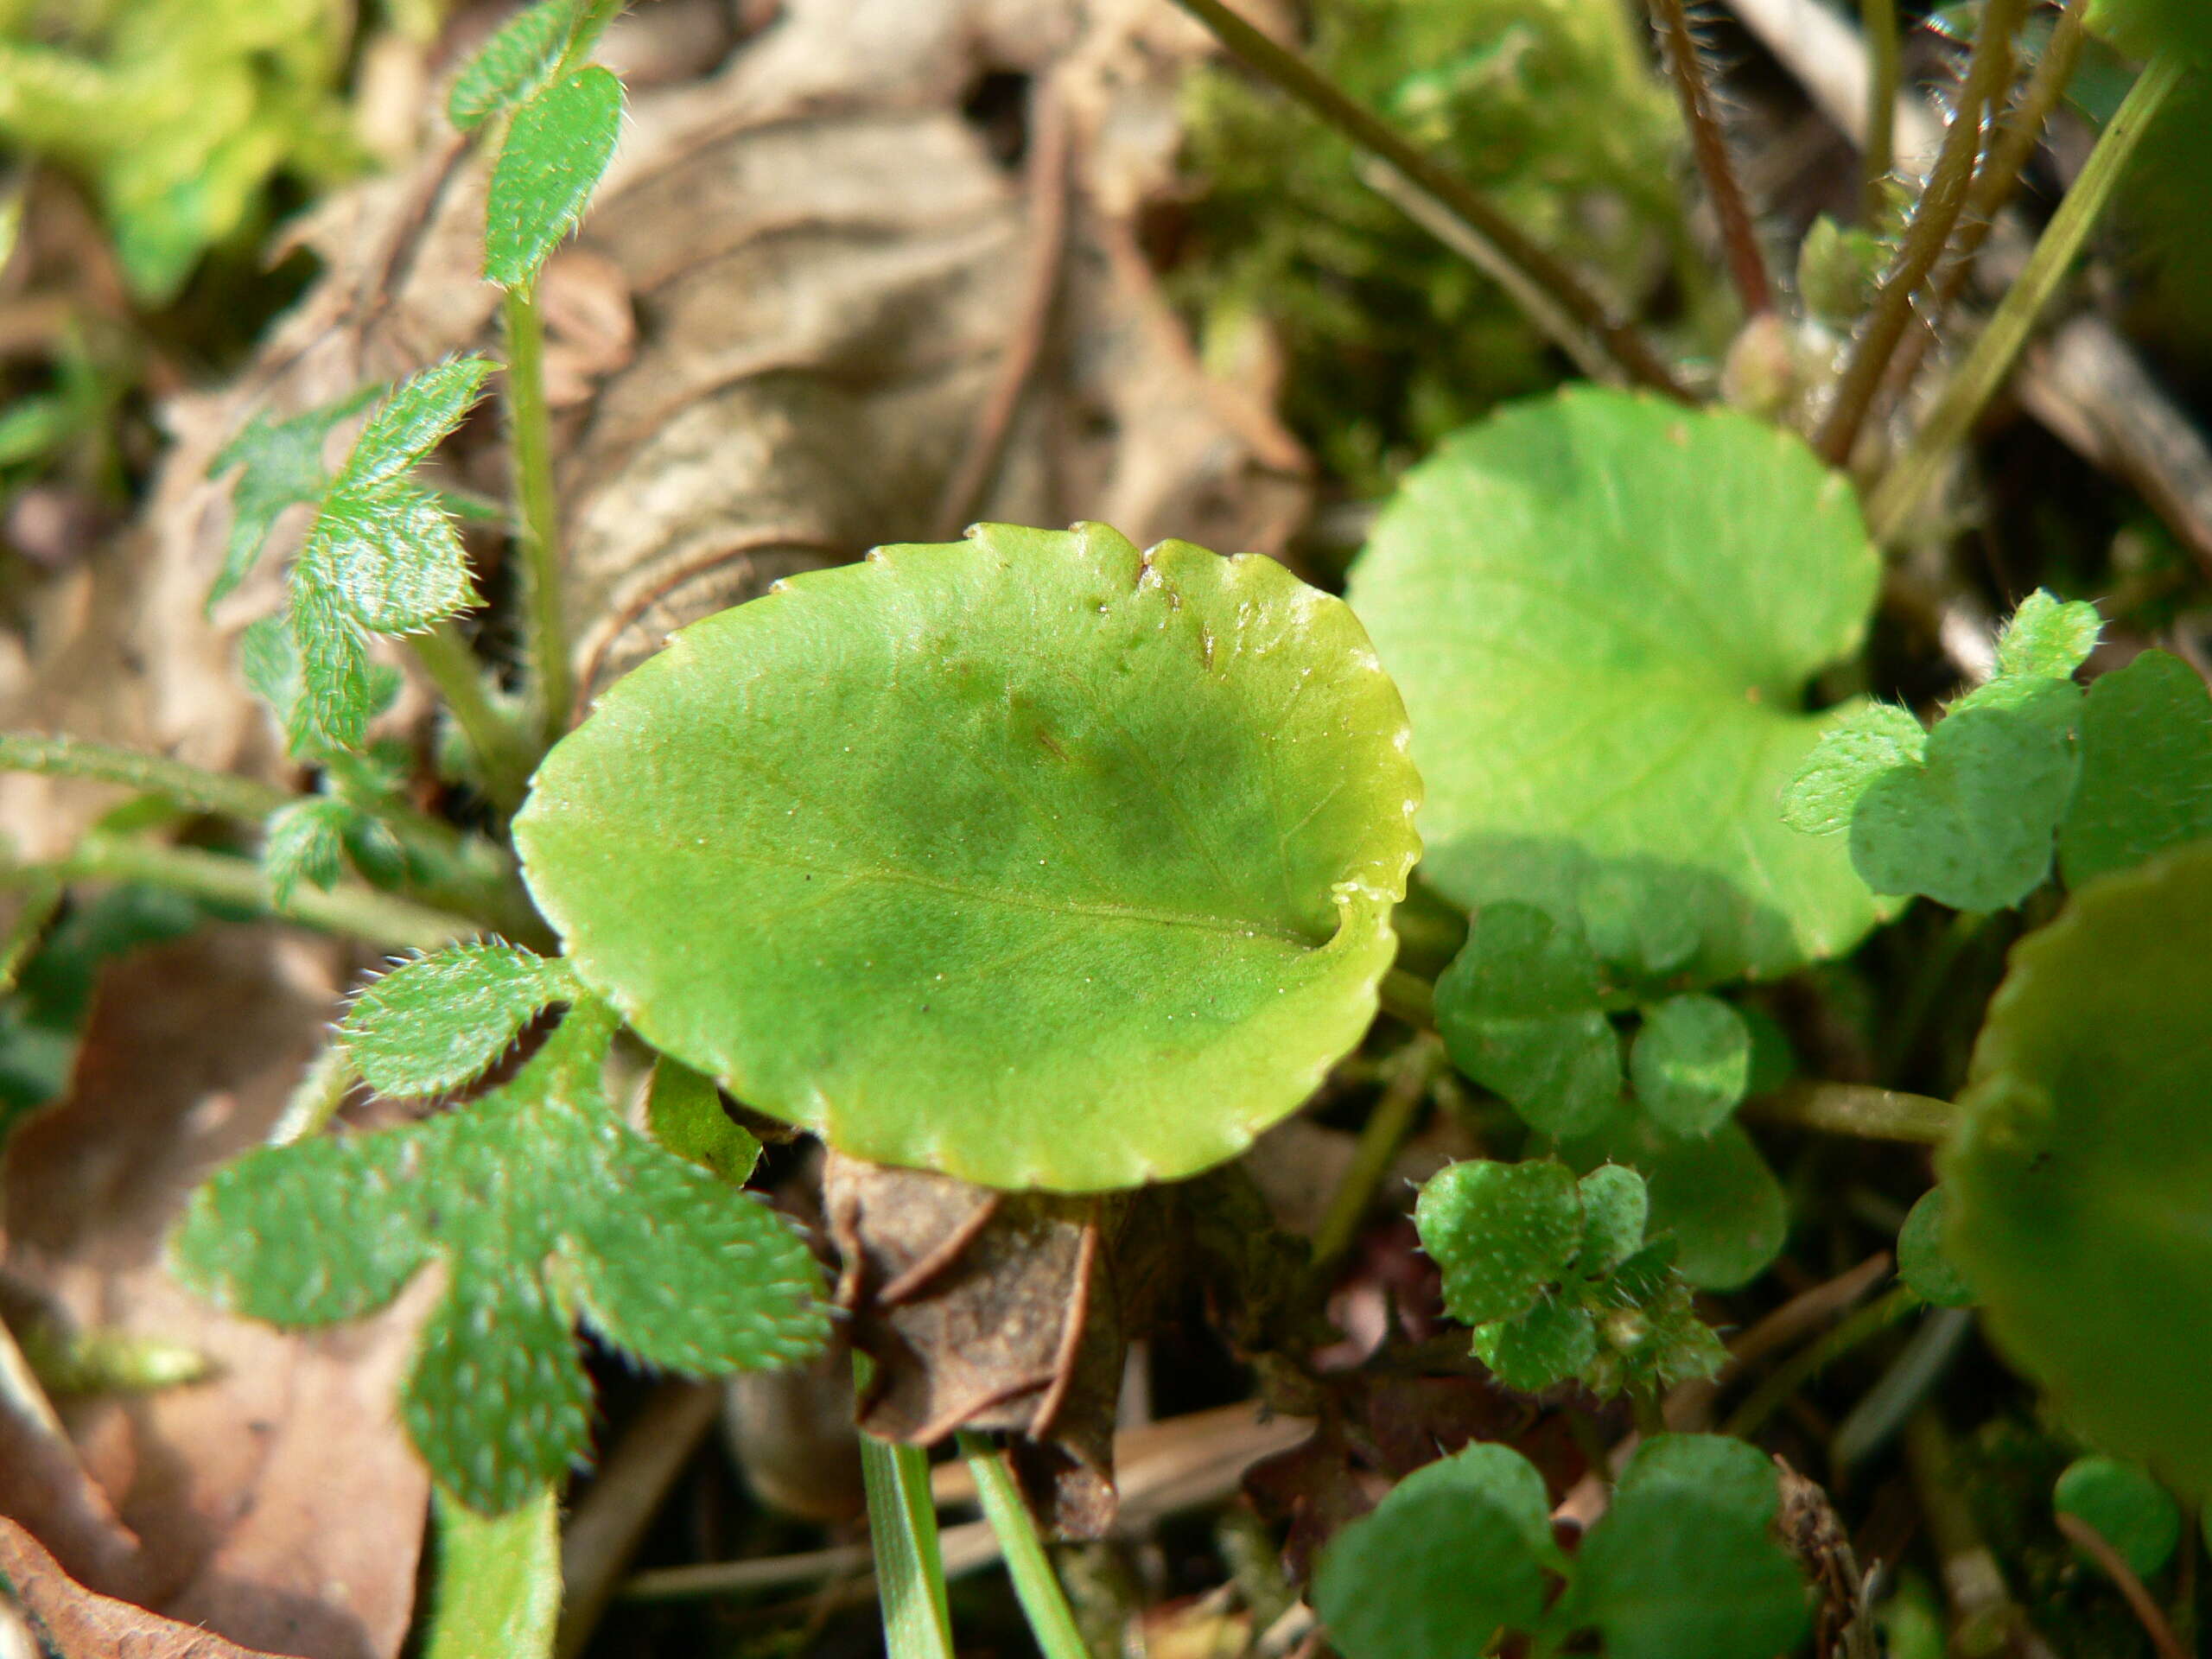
(1033, 859)
(1518, 1009)
(436, 1022)
(511, 66)
(543, 1206)
(2078, 1185)
(2146, 768)
(560, 143)
(1603, 611)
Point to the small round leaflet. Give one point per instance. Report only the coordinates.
(1032, 859)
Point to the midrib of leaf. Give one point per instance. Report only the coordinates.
(1099, 910)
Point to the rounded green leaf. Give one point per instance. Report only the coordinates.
(1616, 1207)
(1921, 1260)
(2079, 1184)
(1033, 859)
(1554, 1342)
(1713, 1196)
(1603, 611)
(1518, 1010)
(2146, 768)
(2129, 1510)
(1455, 1552)
(1500, 1233)
(1691, 1063)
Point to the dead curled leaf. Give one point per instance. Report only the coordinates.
(279, 1503)
(74, 1621)
(987, 1311)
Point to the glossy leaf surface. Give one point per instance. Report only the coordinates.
(2080, 1186)
(1603, 611)
(1032, 859)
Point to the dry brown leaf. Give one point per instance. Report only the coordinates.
(988, 1310)
(279, 1503)
(76, 1623)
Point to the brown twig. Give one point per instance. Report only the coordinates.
(1072, 1326)
(2011, 152)
(2087, 1538)
(1291, 74)
(1988, 72)
(941, 1255)
(1740, 235)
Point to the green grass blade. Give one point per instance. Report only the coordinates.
(1034, 1582)
(909, 1573)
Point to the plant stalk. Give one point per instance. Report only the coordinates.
(1385, 1130)
(1934, 218)
(1878, 23)
(1907, 483)
(502, 752)
(1409, 997)
(42, 895)
(1051, 1620)
(1291, 74)
(1740, 235)
(538, 509)
(316, 1097)
(1808, 1363)
(361, 912)
(909, 1572)
(1858, 1110)
(195, 788)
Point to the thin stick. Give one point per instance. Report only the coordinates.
(1933, 220)
(1409, 997)
(1809, 1362)
(531, 443)
(1740, 235)
(1878, 22)
(361, 912)
(1906, 484)
(2092, 1543)
(1859, 1109)
(1291, 74)
(1385, 1130)
(500, 749)
(1034, 1582)
(902, 1532)
(223, 793)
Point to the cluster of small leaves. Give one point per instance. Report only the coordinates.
(1522, 1010)
(563, 116)
(179, 113)
(542, 1205)
(1552, 109)
(1685, 1560)
(2023, 768)
(1558, 1280)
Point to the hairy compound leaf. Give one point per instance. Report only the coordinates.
(1500, 1233)
(1456, 1552)
(281, 464)
(2129, 1510)
(336, 693)
(1922, 1261)
(684, 1113)
(542, 1206)
(1616, 1208)
(1603, 611)
(2146, 768)
(1684, 1564)
(392, 557)
(1713, 1195)
(2047, 638)
(1691, 1063)
(1031, 859)
(1554, 1342)
(560, 144)
(1971, 826)
(434, 1023)
(413, 420)
(1866, 743)
(511, 66)
(304, 840)
(2080, 1185)
(1519, 1011)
